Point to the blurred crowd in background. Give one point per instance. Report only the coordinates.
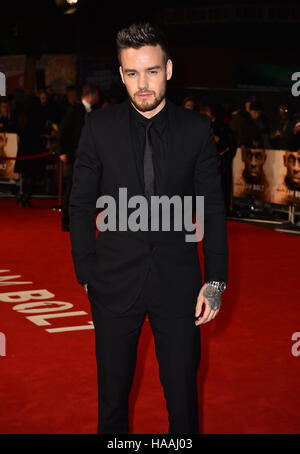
(249, 126)
(52, 121)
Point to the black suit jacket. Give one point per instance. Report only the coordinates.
(115, 263)
(70, 130)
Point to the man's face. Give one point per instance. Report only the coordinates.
(254, 160)
(5, 111)
(292, 162)
(247, 106)
(145, 73)
(43, 98)
(207, 112)
(189, 104)
(93, 98)
(255, 114)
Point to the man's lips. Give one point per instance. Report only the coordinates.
(144, 95)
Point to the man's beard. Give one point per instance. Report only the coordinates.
(292, 184)
(145, 105)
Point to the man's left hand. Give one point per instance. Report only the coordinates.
(209, 313)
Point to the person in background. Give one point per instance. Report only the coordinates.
(248, 101)
(98, 103)
(48, 110)
(72, 95)
(229, 108)
(245, 124)
(188, 103)
(68, 138)
(283, 128)
(7, 119)
(29, 127)
(226, 145)
(261, 122)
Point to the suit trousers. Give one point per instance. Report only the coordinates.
(177, 348)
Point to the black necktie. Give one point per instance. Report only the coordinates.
(148, 164)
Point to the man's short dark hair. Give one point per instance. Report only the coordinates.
(139, 35)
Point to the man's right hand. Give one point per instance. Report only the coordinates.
(63, 158)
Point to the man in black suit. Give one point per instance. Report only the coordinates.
(68, 138)
(147, 147)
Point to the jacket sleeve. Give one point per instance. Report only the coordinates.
(207, 183)
(82, 205)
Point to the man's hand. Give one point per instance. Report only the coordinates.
(210, 301)
(63, 158)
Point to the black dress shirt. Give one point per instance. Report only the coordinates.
(158, 139)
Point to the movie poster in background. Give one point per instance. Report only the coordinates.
(13, 66)
(8, 149)
(267, 175)
(286, 190)
(252, 173)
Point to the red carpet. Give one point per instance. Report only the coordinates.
(248, 378)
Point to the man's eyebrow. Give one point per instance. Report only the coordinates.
(148, 69)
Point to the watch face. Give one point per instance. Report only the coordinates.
(222, 286)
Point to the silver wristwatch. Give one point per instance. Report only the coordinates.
(220, 286)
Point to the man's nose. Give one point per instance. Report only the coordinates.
(297, 166)
(142, 82)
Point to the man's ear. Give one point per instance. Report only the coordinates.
(121, 73)
(169, 66)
